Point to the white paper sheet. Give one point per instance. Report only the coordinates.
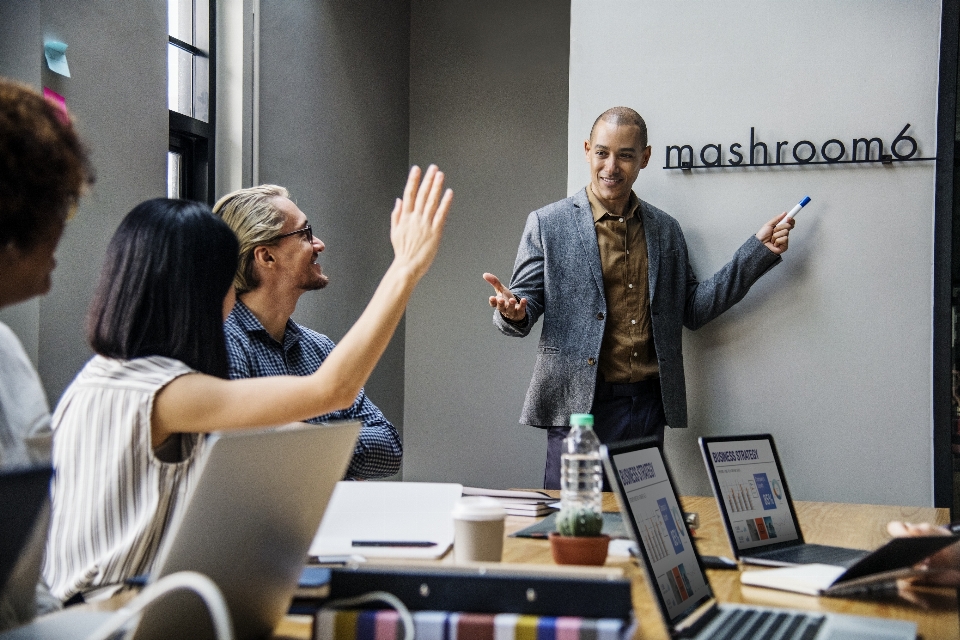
(388, 511)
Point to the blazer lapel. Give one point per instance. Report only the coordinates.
(583, 221)
(651, 230)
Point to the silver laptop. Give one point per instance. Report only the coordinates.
(675, 573)
(255, 508)
(754, 501)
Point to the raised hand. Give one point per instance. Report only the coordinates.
(504, 301)
(775, 235)
(417, 220)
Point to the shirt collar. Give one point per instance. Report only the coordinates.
(250, 324)
(633, 205)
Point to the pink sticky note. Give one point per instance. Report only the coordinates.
(58, 100)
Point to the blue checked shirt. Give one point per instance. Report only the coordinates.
(253, 353)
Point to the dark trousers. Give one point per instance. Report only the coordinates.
(620, 412)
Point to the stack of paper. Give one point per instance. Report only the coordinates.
(517, 503)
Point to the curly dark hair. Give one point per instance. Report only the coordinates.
(44, 167)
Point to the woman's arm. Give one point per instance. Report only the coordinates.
(201, 403)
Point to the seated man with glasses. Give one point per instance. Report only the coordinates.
(278, 264)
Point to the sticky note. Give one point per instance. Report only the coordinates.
(59, 101)
(56, 54)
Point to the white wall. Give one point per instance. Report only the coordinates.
(831, 351)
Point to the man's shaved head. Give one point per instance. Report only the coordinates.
(623, 116)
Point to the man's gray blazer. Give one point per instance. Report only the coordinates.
(558, 271)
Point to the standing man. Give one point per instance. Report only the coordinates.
(609, 273)
(277, 265)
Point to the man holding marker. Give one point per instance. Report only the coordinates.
(609, 274)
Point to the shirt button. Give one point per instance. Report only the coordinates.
(621, 219)
(600, 316)
(633, 322)
(591, 361)
(630, 286)
(628, 251)
(634, 354)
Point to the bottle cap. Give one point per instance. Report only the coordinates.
(581, 420)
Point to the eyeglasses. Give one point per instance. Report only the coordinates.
(307, 232)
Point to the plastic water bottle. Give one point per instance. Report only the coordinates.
(581, 479)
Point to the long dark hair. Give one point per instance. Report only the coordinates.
(168, 267)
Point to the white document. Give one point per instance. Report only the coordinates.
(811, 579)
(388, 520)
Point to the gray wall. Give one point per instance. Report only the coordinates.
(488, 103)
(334, 131)
(117, 94)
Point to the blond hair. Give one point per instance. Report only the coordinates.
(256, 220)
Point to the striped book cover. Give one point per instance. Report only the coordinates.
(354, 624)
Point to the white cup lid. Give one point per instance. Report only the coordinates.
(478, 508)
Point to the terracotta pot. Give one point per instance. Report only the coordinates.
(590, 550)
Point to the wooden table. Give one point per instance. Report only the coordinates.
(849, 525)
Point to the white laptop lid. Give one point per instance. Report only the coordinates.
(248, 524)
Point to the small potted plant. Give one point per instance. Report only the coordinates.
(578, 538)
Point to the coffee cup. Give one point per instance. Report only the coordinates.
(478, 529)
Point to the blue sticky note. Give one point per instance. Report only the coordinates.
(56, 54)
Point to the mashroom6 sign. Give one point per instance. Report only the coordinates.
(782, 153)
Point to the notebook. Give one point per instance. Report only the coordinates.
(876, 572)
(257, 502)
(755, 506)
(674, 569)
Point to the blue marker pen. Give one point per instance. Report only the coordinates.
(793, 212)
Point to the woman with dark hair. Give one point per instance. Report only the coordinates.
(130, 427)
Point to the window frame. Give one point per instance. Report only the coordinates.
(194, 139)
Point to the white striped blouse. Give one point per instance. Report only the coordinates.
(112, 495)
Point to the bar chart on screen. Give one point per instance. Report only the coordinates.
(740, 495)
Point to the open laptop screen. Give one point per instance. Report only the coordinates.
(751, 490)
(649, 502)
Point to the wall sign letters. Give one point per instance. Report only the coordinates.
(782, 153)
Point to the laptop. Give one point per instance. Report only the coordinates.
(754, 502)
(675, 573)
(256, 506)
(23, 495)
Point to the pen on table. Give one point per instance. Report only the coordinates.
(393, 543)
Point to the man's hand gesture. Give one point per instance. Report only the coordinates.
(775, 235)
(505, 302)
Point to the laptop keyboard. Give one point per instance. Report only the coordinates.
(748, 624)
(810, 553)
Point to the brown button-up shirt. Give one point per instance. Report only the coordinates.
(627, 352)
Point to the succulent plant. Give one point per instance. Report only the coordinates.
(579, 521)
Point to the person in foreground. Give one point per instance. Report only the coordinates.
(610, 275)
(44, 169)
(943, 566)
(128, 430)
(278, 264)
